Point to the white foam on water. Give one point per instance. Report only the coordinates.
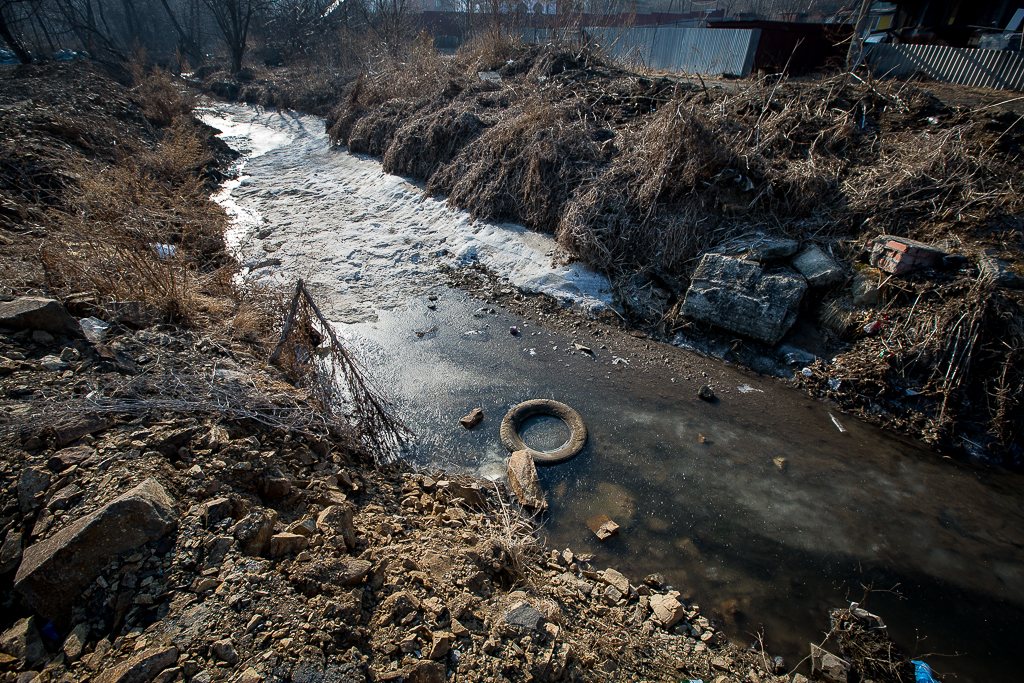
(363, 239)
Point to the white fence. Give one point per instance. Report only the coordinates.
(998, 69)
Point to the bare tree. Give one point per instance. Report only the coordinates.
(8, 27)
(234, 17)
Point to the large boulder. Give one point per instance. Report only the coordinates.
(736, 295)
(38, 313)
(522, 479)
(54, 572)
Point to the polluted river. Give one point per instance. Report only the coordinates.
(764, 507)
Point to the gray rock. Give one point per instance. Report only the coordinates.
(66, 497)
(773, 249)
(337, 524)
(72, 430)
(10, 553)
(254, 531)
(286, 544)
(865, 288)
(827, 667)
(224, 650)
(999, 272)
(735, 295)
(32, 482)
(524, 615)
(523, 480)
(818, 268)
(614, 578)
(42, 337)
(54, 364)
(54, 572)
(38, 313)
(23, 642)
(74, 644)
(142, 667)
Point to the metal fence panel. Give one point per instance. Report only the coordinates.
(997, 69)
(707, 51)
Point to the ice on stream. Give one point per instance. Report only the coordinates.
(362, 239)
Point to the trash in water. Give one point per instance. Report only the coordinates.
(583, 349)
(94, 328)
(164, 250)
(922, 672)
(872, 327)
(836, 423)
(617, 360)
(603, 527)
(513, 330)
(806, 372)
(746, 389)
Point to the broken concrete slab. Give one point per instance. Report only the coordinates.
(54, 572)
(38, 313)
(735, 295)
(523, 480)
(818, 268)
(899, 255)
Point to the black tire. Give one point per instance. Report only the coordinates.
(511, 440)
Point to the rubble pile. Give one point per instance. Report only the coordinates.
(169, 546)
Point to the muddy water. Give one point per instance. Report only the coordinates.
(756, 506)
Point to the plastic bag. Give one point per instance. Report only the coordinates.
(94, 329)
(923, 672)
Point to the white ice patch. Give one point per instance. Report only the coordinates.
(364, 238)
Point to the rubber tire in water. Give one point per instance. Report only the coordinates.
(510, 426)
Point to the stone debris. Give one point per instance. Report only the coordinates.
(603, 527)
(827, 667)
(523, 480)
(818, 268)
(899, 255)
(175, 548)
(473, 419)
(55, 571)
(739, 296)
(38, 313)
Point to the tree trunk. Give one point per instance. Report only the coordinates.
(16, 47)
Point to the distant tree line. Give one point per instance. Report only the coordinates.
(113, 30)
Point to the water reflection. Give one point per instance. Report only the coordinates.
(757, 507)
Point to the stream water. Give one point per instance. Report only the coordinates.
(699, 490)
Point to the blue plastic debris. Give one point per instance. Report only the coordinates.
(923, 672)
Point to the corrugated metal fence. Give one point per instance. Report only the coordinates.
(998, 69)
(707, 51)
